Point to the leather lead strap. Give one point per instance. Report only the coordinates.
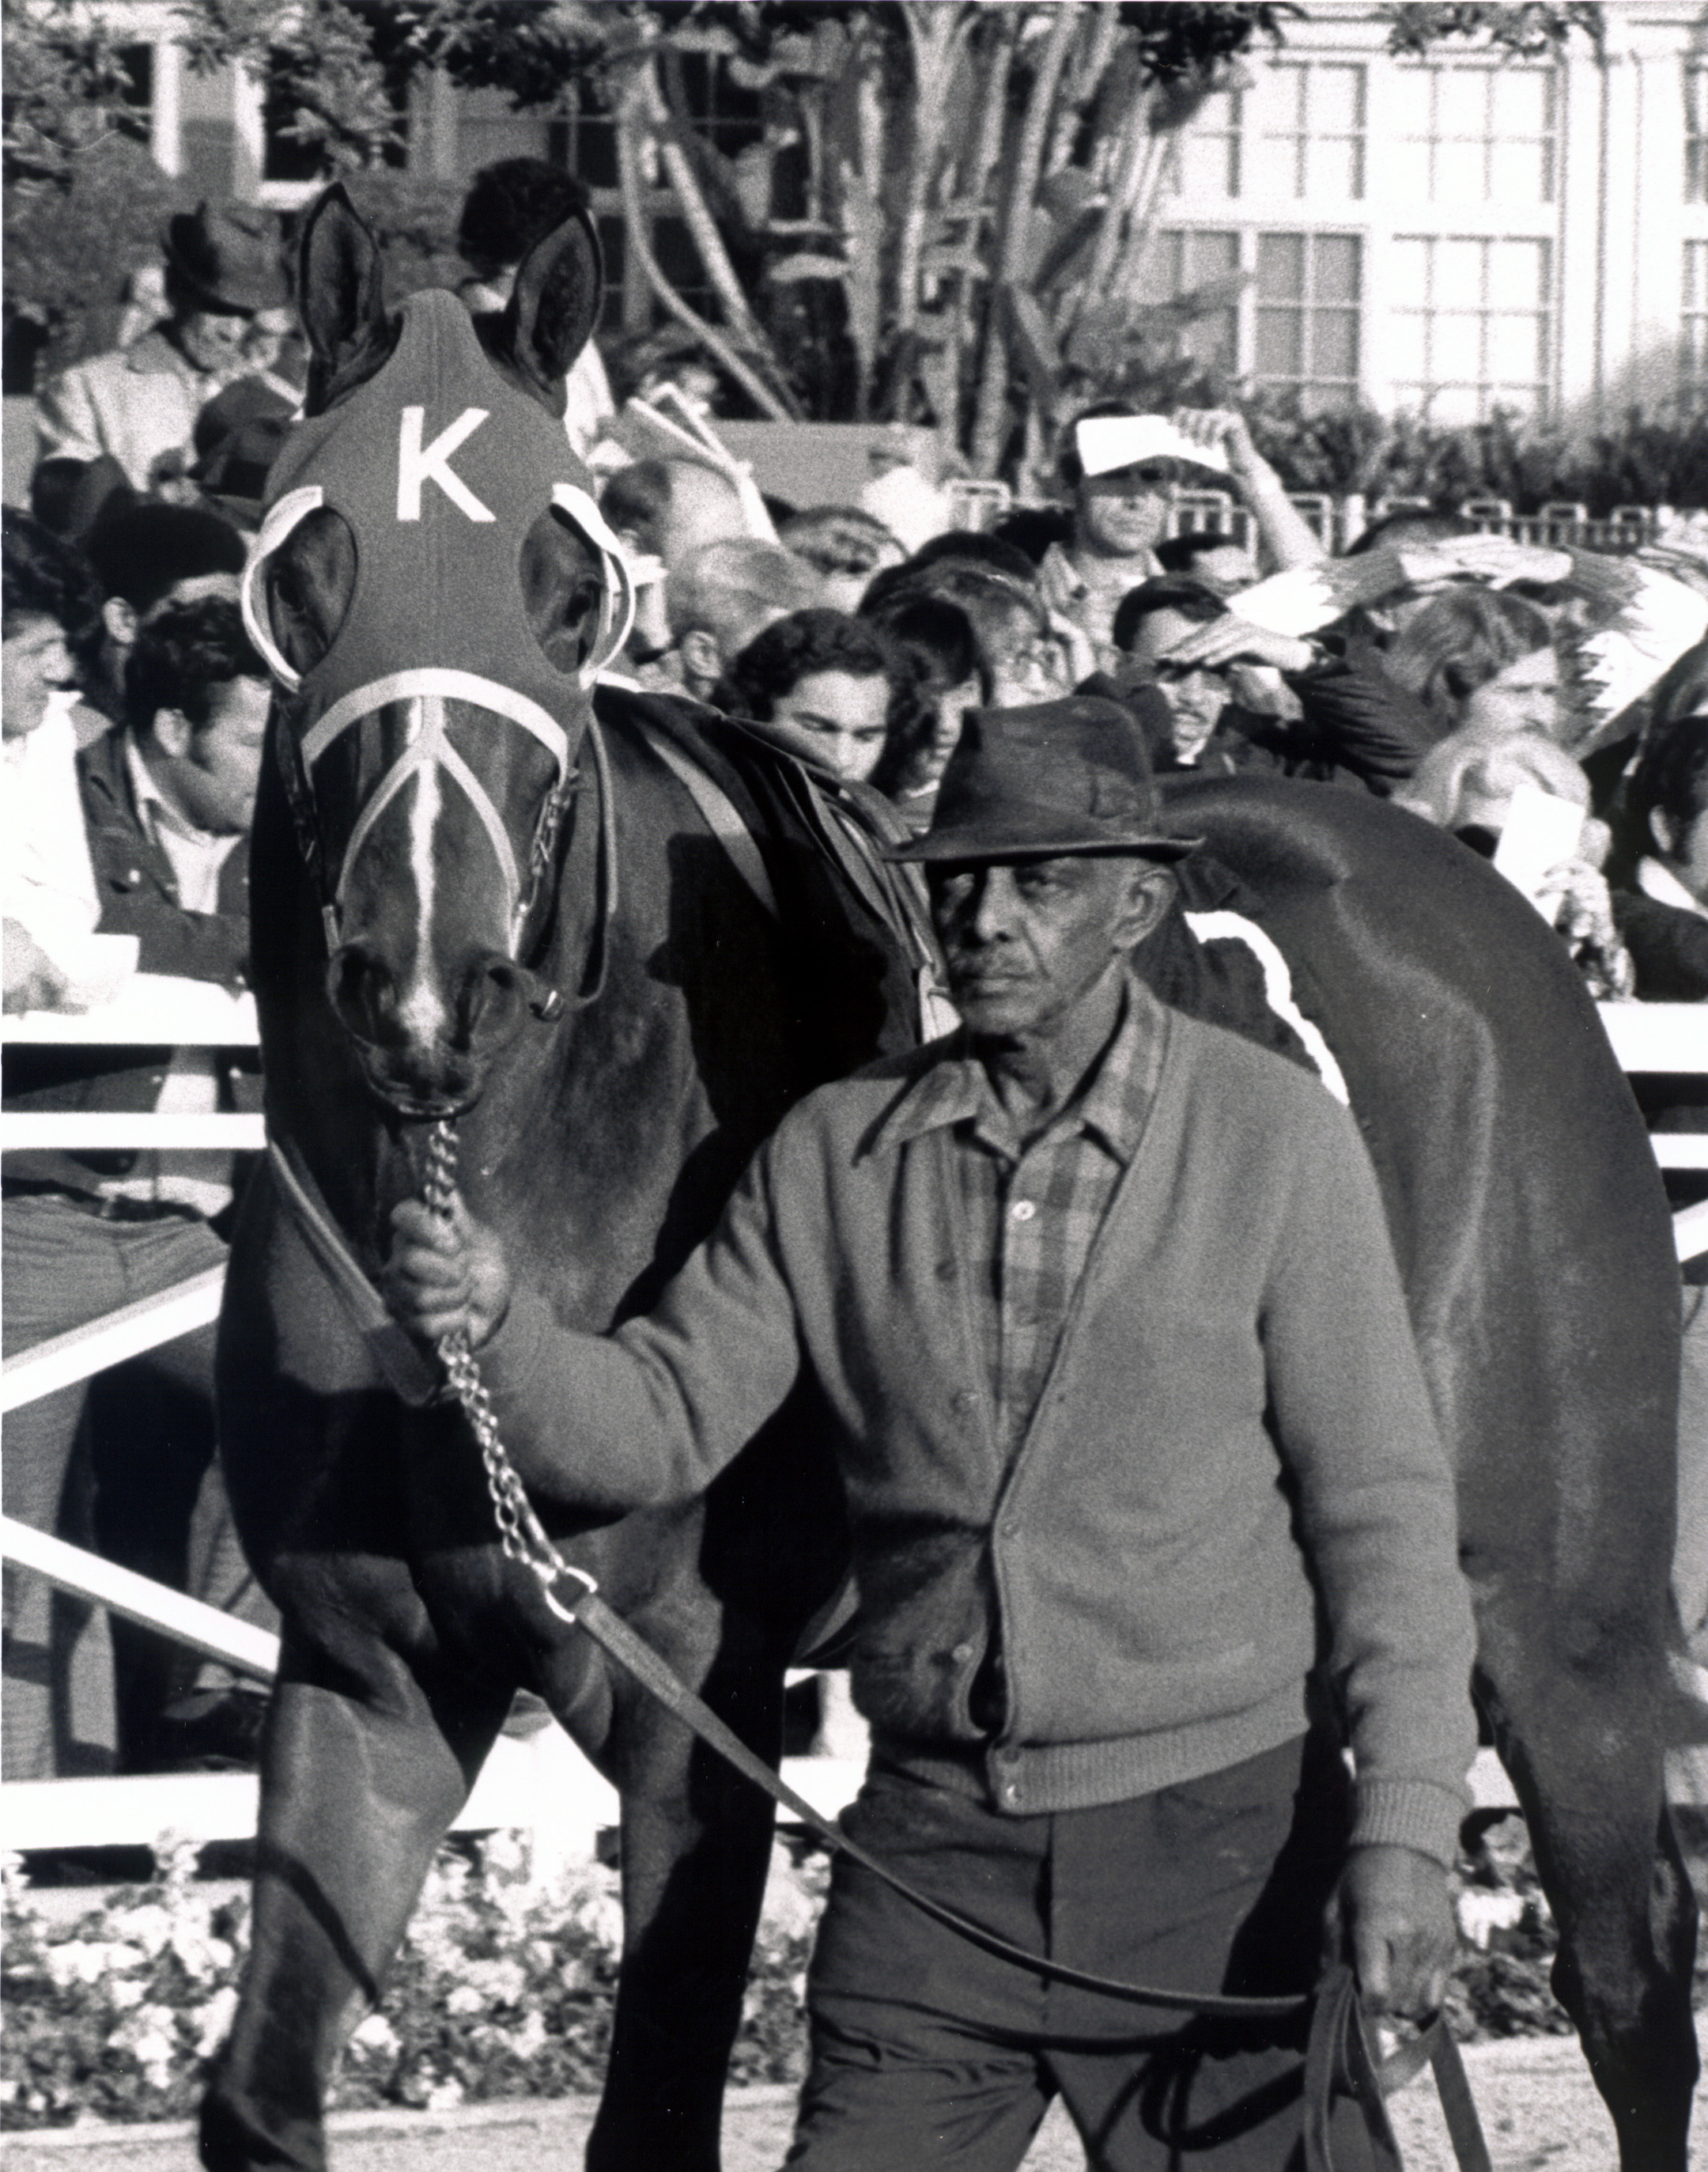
(1338, 2057)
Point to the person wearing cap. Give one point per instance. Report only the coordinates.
(239, 435)
(509, 206)
(1122, 470)
(1133, 1433)
(140, 402)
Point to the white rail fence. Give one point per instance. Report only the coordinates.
(1340, 521)
(538, 1781)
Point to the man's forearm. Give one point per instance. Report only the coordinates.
(649, 1415)
(1288, 537)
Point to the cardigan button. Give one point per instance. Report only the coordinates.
(963, 1402)
(963, 1652)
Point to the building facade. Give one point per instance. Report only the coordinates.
(1456, 234)
(1447, 235)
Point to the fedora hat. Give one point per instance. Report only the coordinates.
(1071, 775)
(226, 260)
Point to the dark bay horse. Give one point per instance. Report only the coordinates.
(470, 900)
(473, 901)
(1534, 1237)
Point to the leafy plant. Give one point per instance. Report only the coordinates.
(1647, 461)
(71, 245)
(504, 1988)
(67, 84)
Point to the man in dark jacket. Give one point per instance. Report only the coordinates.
(1133, 1431)
(167, 804)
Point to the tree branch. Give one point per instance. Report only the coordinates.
(993, 384)
(639, 237)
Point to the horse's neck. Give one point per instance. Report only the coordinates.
(606, 1140)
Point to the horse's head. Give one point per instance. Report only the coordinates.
(435, 590)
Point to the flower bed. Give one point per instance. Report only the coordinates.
(503, 1987)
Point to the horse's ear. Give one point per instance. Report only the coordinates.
(555, 303)
(343, 299)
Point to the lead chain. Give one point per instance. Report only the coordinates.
(520, 1532)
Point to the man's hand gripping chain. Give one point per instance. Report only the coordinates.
(520, 1532)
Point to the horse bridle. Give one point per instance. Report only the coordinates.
(428, 688)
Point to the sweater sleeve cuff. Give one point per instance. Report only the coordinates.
(1415, 1813)
(508, 1359)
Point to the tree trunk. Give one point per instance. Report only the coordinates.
(1135, 140)
(988, 432)
(1087, 75)
(933, 33)
(991, 92)
(639, 237)
(707, 240)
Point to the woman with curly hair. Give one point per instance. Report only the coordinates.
(839, 686)
(1486, 664)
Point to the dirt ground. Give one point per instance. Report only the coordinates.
(1539, 2108)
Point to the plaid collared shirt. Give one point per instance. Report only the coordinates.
(1031, 1212)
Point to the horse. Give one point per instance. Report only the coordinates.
(482, 895)
(1535, 1242)
(474, 900)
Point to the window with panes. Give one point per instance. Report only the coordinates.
(1295, 132)
(1296, 327)
(1695, 134)
(1463, 135)
(1693, 326)
(1470, 315)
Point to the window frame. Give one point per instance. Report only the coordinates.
(1248, 238)
(1379, 217)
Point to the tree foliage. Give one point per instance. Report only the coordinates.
(67, 83)
(943, 211)
(940, 201)
(1531, 29)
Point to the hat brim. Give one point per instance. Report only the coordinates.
(980, 840)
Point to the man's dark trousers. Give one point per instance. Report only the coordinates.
(928, 2052)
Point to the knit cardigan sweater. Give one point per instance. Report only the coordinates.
(1231, 1471)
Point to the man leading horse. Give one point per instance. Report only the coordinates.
(1149, 1510)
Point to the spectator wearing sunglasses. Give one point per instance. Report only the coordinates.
(1122, 516)
(1180, 637)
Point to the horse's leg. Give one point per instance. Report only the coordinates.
(357, 1792)
(1584, 1746)
(696, 1846)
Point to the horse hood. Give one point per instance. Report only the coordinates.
(440, 468)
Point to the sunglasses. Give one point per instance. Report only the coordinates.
(1147, 475)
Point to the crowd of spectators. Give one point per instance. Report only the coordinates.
(1445, 670)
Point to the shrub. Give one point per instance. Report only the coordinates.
(1647, 461)
(502, 1989)
(71, 250)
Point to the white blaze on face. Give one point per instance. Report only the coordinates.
(421, 1011)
